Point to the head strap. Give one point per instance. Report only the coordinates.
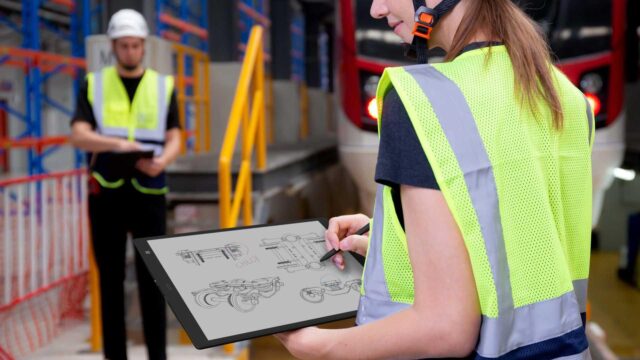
(426, 19)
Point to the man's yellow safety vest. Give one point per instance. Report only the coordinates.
(520, 192)
(142, 119)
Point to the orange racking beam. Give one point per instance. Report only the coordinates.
(184, 26)
(28, 142)
(68, 3)
(252, 13)
(43, 57)
(171, 35)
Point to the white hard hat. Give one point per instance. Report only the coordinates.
(127, 22)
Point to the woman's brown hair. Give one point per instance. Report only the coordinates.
(526, 44)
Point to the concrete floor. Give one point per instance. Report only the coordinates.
(73, 345)
(614, 306)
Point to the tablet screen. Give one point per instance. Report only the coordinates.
(241, 281)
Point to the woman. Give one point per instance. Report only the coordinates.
(481, 230)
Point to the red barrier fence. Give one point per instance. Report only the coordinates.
(44, 241)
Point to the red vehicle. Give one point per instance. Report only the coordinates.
(586, 36)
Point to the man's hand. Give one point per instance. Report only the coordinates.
(84, 137)
(127, 146)
(151, 167)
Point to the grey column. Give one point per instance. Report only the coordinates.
(281, 12)
(224, 34)
(316, 13)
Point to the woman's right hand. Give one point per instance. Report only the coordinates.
(338, 236)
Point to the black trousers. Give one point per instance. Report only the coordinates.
(113, 214)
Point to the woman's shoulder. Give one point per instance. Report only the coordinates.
(393, 110)
(391, 97)
(567, 89)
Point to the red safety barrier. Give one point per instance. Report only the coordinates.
(44, 234)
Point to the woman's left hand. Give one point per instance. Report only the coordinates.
(306, 343)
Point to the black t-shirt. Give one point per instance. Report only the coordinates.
(84, 111)
(401, 160)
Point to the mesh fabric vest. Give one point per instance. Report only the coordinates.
(520, 192)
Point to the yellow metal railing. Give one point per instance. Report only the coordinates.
(95, 340)
(200, 98)
(248, 112)
(200, 129)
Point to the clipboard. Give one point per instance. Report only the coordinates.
(126, 161)
(237, 284)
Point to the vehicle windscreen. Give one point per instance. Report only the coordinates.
(574, 27)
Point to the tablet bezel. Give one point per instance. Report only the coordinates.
(181, 310)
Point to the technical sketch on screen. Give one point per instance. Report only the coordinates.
(242, 295)
(227, 252)
(250, 279)
(331, 286)
(297, 252)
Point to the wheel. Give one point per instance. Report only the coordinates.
(312, 295)
(207, 300)
(242, 303)
(290, 237)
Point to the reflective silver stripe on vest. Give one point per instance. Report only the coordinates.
(114, 131)
(98, 100)
(371, 309)
(513, 328)
(460, 128)
(580, 288)
(163, 106)
(159, 133)
(376, 303)
(590, 117)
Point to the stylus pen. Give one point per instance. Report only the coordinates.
(363, 230)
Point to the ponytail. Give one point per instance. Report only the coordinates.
(527, 47)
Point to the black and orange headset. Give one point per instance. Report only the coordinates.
(426, 19)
